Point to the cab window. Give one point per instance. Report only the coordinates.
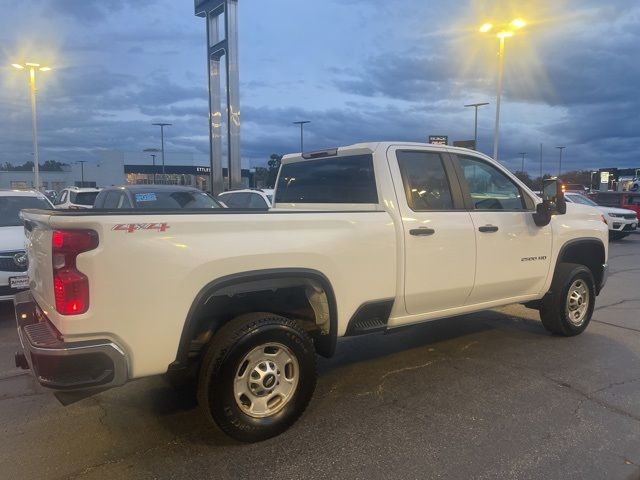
(489, 188)
(425, 181)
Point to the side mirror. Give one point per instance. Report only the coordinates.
(553, 202)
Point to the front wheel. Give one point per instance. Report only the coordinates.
(257, 376)
(568, 308)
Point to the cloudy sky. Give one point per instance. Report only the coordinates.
(360, 70)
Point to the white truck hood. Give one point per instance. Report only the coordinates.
(620, 211)
(11, 239)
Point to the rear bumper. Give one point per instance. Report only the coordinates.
(65, 366)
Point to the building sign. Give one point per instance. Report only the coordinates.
(439, 139)
(604, 177)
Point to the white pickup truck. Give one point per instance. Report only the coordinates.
(361, 239)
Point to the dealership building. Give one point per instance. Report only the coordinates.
(122, 168)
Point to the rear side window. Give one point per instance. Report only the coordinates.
(236, 200)
(331, 180)
(84, 198)
(425, 181)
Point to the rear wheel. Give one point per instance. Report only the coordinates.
(567, 310)
(257, 376)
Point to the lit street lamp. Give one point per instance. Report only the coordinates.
(504, 31)
(162, 125)
(560, 164)
(31, 68)
(475, 129)
(302, 124)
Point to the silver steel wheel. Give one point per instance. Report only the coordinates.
(266, 380)
(577, 302)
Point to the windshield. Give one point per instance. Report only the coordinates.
(10, 209)
(180, 199)
(581, 199)
(84, 198)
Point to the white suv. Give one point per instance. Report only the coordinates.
(13, 260)
(76, 198)
(247, 198)
(621, 221)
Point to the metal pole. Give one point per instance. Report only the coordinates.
(162, 141)
(496, 135)
(153, 159)
(34, 124)
(540, 166)
(82, 162)
(302, 124)
(523, 155)
(560, 164)
(475, 127)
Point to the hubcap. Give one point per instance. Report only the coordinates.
(577, 302)
(266, 380)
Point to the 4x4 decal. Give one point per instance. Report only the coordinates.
(133, 227)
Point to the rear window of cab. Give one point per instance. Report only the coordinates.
(348, 179)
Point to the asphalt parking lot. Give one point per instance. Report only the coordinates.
(489, 395)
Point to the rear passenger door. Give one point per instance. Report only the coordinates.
(438, 234)
(513, 253)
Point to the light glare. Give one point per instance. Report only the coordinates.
(18, 66)
(486, 27)
(505, 34)
(45, 69)
(518, 23)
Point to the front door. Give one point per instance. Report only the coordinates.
(513, 253)
(439, 239)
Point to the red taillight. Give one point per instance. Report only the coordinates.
(71, 287)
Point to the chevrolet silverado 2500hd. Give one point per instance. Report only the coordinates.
(361, 239)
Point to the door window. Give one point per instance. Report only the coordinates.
(425, 181)
(112, 199)
(257, 202)
(490, 189)
(63, 198)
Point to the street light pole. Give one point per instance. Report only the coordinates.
(31, 69)
(82, 162)
(504, 31)
(496, 134)
(475, 128)
(162, 125)
(302, 124)
(560, 164)
(523, 155)
(153, 152)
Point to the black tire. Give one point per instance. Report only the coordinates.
(553, 311)
(222, 362)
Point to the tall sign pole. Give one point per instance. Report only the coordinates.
(217, 48)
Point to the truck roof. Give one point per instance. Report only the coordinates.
(370, 147)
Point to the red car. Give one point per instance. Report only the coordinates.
(628, 200)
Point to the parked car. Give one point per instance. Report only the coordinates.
(621, 222)
(150, 197)
(13, 259)
(248, 198)
(360, 239)
(76, 198)
(576, 188)
(626, 200)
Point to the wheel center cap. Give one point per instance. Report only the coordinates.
(269, 380)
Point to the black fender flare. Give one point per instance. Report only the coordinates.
(325, 344)
(584, 241)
